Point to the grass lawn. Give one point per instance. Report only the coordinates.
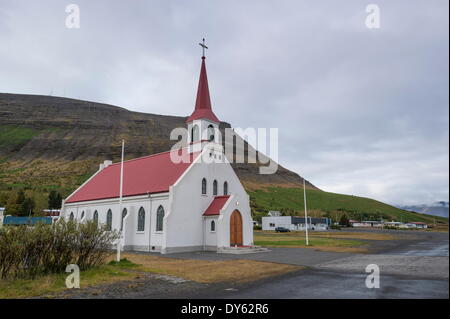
(45, 285)
(207, 271)
(201, 271)
(318, 241)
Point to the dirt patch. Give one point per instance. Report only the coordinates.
(204, 271)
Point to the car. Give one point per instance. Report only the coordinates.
(282, 230)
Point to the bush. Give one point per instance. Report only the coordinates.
(338, 227)
(257, 227)
(26, 252)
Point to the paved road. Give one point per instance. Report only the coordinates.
(413, 268)
(292, 256)
(418, 269)
(320, 284)
(432, 247)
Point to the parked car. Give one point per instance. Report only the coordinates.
(282, 230)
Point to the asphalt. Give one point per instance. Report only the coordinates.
(413, 267)
(291, 256)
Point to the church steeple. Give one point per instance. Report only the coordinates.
(203, 109)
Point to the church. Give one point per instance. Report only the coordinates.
(186, 199)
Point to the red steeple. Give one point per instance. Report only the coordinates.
(203, 108)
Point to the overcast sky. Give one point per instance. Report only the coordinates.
(360, 111)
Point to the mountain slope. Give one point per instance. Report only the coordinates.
(56, 143)
(51, 143)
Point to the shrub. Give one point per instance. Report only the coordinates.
(257, 227)
(26, 252)
(338, 227)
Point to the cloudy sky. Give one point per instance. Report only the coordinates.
(360, 111)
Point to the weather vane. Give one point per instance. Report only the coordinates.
(203, 47)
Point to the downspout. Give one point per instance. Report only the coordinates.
(149, 222)
(204, 244)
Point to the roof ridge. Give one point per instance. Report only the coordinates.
(147, 156)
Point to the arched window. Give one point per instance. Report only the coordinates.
(109, 220)
(82, 215)
(213, 226)
(225, 188)
(194, 134)
(159, 218)
(124, 214)
(204, 186)
(72, 216)
(215, 187)
(95, 217)
(141, 219)
(210, 132)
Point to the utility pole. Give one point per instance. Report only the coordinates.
(306, 214)
(120, 202)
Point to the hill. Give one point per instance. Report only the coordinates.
(319, 203)
(49, 143)
(53, 143)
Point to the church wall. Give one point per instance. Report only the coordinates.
(132, 239)
(157, 238)
(240, 201)
(210, 236)
(188, 206)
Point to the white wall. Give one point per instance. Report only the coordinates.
(210, 236)
(184, 205)
(277, 221)
(188, 204)
(132, 238)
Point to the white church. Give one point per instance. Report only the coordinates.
(189, 199)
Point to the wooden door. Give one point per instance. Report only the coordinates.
(236, 228)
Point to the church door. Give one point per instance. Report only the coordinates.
(236, 228)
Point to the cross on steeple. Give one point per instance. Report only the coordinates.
(203, 47)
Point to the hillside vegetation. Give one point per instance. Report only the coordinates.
(55, 144)
(289, 201)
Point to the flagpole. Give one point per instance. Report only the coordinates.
(120, 202)
(306, 214)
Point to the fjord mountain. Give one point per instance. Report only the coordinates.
(52, 143)
(54, 139)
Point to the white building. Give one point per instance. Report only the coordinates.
(419, 225)
(188, 199)
(393, 224)
(356, 223)
(295, 223)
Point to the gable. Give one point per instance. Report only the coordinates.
(149, 174)
(216, 205)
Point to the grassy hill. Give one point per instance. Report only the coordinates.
(52, 143)
(319, 203)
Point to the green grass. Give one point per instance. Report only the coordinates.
(15, 135)
(51, 284)
(123, 263)
(290, 202)
(329, 242)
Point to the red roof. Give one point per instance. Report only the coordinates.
(216, 205)
(150, 174)
(203, 109)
